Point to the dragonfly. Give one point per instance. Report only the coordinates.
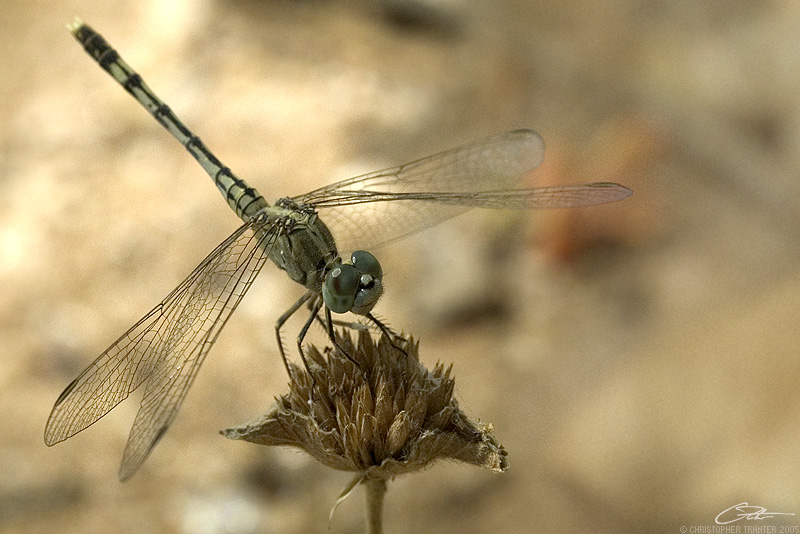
(303, 235)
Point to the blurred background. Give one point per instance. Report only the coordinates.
(638, 360)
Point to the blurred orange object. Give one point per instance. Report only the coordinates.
(625, 151)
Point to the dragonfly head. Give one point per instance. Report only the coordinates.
(355, 286)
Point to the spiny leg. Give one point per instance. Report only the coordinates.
(332, 335)
(389, 333)
(279, 326)
(314, 315)
(384, 329)
(315, 307)
(344, 324)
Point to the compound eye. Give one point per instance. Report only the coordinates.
(340, 288)
(368, 295)
(366, 263)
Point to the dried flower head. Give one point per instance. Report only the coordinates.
(385, 417)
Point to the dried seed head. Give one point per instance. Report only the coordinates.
(385, 417)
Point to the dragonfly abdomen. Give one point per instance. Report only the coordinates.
(242, 199)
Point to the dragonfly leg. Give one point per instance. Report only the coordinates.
(352, 325)
(315, 306)
(389, 333)
(332, 335)
(279, 326)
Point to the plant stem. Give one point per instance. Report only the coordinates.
(376, 489)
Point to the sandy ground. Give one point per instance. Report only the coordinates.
(638, 361)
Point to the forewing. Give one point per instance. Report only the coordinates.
(358, 214)
(380, 207)
(165, 348)
(561, 196)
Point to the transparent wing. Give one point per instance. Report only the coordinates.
(165, 348)
(493, 163)
(376, 208)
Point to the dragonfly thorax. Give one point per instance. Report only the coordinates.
(303, 246)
